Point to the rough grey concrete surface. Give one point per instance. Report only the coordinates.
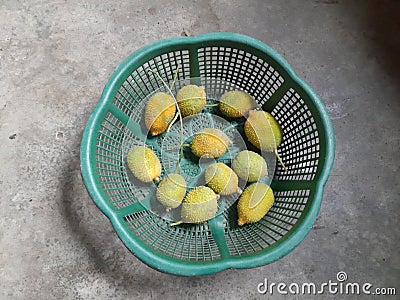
(56, 57)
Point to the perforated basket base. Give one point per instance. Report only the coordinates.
(307, 150)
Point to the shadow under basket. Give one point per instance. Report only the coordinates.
(307, 150)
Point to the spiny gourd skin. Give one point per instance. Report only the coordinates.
(171, 190)
(159, 112)
(210, 142)
(236, 104)
(191, 99)
(199, 205)
(222, 179)
(144, 164)
(263, 131)
(254, 203)
(250, 166)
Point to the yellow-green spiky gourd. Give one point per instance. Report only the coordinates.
(236, 104)
(210, 142)
(250, 166)
(199, 205)
(264, 132)
(159, 112)
(222, 179)
(144, 164)
(254, 203)
(171, 190)
(191, 99)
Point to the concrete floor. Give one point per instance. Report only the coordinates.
(56, 57)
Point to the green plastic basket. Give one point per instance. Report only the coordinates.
(308, 151)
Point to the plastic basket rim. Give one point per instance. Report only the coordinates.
(171, 265)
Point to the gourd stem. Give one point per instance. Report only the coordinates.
(170, 87)
(177, 108)
(176, 223)
(280, 160)
(175, 76)
(172, 122)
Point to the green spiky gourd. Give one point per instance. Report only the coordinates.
(210, 142)
(236, 104)
(199, 205)
(222, 179)
(171, 190)
(264, 132)
(254, 203)
(191, 99)
(144, 164)
(250, 166)
(159, 112)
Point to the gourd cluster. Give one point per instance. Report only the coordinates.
(200, 204)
